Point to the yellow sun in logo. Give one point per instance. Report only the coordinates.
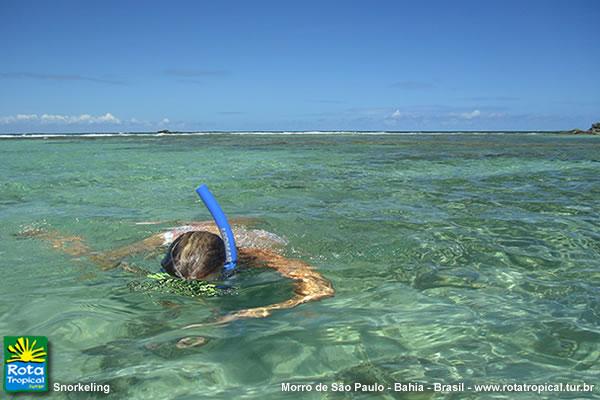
(23, 351)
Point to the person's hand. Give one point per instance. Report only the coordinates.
(191, 341)
(105, 262)
(260, 312)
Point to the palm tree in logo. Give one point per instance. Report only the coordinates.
(26, 352)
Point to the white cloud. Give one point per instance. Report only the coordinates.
(11, 119)
(107, 118)
(469, 115)
(53, 118)
(165, 121)
(403, 114)
(26, 117)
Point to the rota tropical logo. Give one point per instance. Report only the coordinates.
(25, 363)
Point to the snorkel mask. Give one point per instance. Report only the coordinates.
(224, 228)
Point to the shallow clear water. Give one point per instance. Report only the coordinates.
(455, 258)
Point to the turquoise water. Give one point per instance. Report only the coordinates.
(456, 258)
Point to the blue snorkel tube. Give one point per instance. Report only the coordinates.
(226, 233)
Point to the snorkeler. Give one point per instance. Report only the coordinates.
(196, 251)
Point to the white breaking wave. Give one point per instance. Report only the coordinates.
(262, 133)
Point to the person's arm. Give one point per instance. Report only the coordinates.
(71, 245)
(309, 284)
(111, 259)
(75, 246)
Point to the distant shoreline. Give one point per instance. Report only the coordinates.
(99, 135)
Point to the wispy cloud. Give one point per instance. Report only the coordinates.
(146, 124)
(491, 98)
(397, 114)
(195, 73)
(59, 77)
(18, 118)
(425, 115)
(438, 115)
(467, 114)
(107, 118)
(325, 101)
(412, 85)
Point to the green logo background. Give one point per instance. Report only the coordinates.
(41, 342)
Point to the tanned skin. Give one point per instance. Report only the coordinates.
(309, 285)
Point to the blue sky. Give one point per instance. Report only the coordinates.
(79, 66)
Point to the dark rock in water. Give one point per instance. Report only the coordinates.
(165, 131)
(594, 130)
(447, 278)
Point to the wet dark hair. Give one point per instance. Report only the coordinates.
(194, 255)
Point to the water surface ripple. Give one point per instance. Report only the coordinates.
(456, 258)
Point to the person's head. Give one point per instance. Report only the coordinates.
(195, 255)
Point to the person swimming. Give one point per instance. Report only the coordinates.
(195, 251)
(207, 251)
